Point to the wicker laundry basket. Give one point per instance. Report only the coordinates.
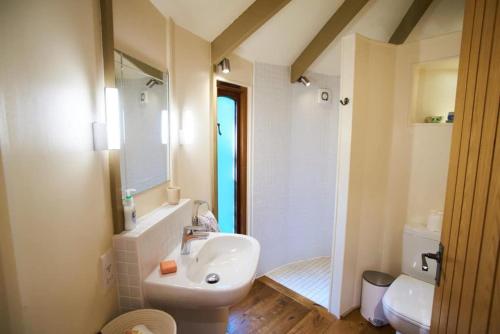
(156, 321)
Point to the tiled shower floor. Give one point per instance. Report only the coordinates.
(310, 278)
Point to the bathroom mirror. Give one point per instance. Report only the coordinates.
(144, 103)
(434, 90)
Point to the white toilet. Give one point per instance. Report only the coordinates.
(408, 301)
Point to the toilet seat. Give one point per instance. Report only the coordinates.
(410, 300)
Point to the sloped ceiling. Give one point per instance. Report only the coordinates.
(281, 39)
(205, 18)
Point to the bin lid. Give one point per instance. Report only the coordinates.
(378, 278)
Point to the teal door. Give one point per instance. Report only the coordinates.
(226, 163)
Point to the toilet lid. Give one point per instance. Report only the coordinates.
(411, 299)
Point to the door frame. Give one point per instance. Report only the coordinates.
(239, 94)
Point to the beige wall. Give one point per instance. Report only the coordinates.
(192, 161)
(397, 170)
(140, 30)
(402, 163)
(373, 92)
(4, 310)
(241, 72)
(10, 301)
(401, 158)
(434, 93)
(57, 187)
(56, 218)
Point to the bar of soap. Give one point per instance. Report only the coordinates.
(168, 267)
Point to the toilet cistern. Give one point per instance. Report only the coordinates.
(407, 304)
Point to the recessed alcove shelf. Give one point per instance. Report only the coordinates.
(434, 89)
(445, 125)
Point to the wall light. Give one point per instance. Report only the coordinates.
(303, 79)
(164, 127)
(182, 137)
(224, 66)
(113, 118)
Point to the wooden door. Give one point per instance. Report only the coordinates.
(239, 95)
(468, 298)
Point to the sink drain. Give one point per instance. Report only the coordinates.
(212, 278)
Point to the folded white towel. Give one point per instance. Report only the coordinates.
(141, 329)
(207, 220)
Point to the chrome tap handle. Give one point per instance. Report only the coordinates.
(190, 230)
(190, 233)
(197, 204)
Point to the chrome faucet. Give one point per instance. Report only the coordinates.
(197, 204)
(189, 234)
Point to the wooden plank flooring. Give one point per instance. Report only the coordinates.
(273, 308)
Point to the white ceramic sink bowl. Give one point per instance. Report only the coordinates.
(233, 257)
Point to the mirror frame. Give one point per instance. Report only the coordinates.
(108, 50)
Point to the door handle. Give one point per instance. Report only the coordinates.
(438, 257)
(218, 129)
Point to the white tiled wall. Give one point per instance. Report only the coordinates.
(271, 133)
(294, 156)
(139, 251)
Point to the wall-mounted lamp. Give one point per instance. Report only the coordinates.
(182, 137)
(224, 66)
(164, 127)
(107, 135)
(113, 118)
(303, 79)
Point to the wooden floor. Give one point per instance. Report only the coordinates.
(273, 308)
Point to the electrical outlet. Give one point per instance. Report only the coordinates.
(108, 269)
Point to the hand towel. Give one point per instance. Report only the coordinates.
(139, 329)
(207, 219)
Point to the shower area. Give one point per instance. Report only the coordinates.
(294, 142)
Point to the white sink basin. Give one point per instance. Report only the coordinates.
(233, 257)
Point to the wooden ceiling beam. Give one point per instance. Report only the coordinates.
(339, 20)
(410, 20)
(247, 23)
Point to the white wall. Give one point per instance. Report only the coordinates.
(270, 173)
(428, 174)
(441, 18)
(294, 150)
(312, 160)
